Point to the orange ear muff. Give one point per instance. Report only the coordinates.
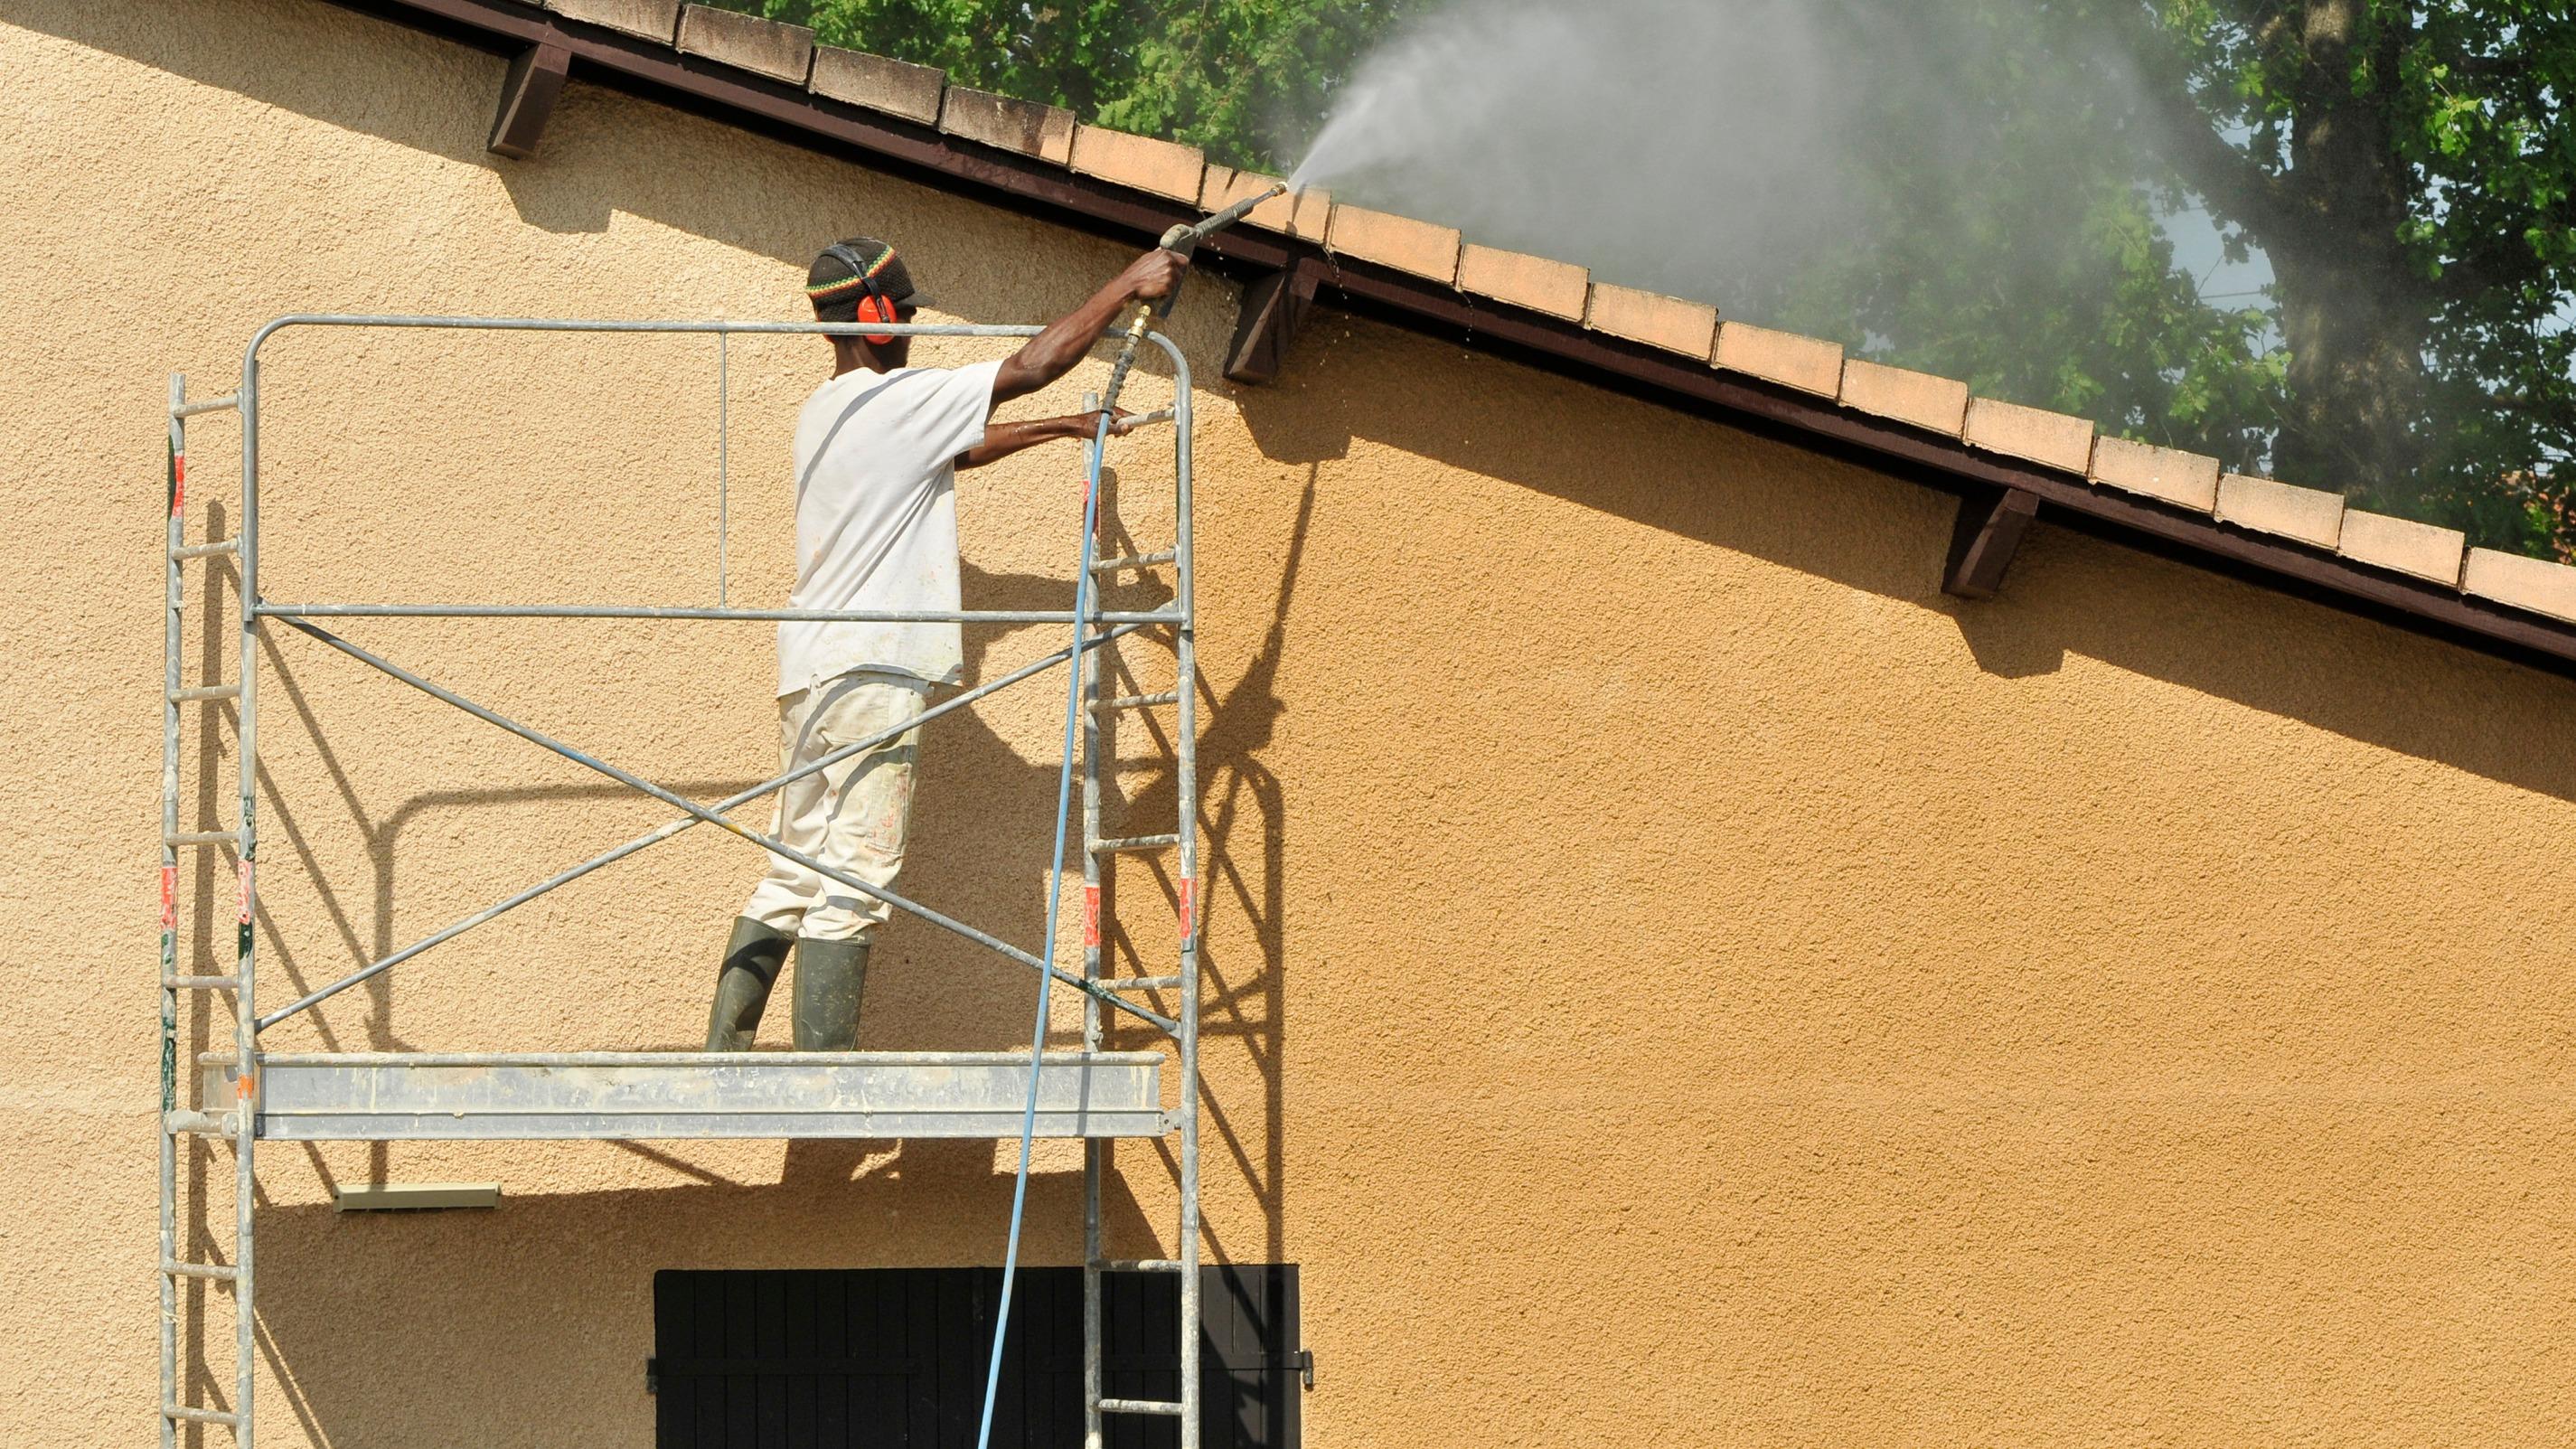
(877, 309)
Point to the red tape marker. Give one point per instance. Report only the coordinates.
(245, 892)
(1091, 917)
(169, 897)
(1189, 910)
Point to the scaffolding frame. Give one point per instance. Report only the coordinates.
(665, 1095)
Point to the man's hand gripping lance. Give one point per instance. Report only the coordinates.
(1184, 240)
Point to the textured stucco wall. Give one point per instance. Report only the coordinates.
(1676, 977)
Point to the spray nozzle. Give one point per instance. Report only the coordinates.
(1185, 239)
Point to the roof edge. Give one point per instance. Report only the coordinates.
(1932, 430)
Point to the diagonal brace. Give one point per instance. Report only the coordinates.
(675, 827)
(705, 815)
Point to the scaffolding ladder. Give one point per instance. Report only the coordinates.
(245, 1095)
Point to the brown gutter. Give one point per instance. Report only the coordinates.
(1026, 184)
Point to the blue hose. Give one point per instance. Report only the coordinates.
(1055, 899)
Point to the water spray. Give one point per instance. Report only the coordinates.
(1184, 240)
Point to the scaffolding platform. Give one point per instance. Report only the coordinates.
(376, 1097)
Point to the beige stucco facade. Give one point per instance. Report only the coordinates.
(1675, 976)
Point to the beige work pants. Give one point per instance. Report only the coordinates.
(850, 816)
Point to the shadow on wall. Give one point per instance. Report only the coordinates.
(1870, 530)
(505, 1327)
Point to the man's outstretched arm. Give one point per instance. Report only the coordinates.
(1052, 353)
(1001, 440)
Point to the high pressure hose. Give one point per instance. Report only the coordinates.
(1182, 239)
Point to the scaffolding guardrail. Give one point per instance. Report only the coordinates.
(687, 1094)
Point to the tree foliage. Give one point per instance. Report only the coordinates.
(1241, 78)
(2404, 165)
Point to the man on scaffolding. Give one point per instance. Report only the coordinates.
(878, 447)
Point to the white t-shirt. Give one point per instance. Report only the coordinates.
(876, 519)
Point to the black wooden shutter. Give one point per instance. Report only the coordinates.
(821, 1358)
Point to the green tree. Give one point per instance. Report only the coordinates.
(2406, 165)
(1237, 77)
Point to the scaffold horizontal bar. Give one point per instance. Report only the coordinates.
(1138, 701)
(209, 1124)
(1134, 843)
(203, 837)
(1143, 983)
(207, 550)
(1142, 1265)
(209, 405)
(199, 1416)
(205, 691)
(201, 983)
(216, 1271)
(1133, 561)
(387, 1096)
(1139, 1406)
(655, 611)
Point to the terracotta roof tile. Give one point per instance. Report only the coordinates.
(2308, 515)
(898, 88)
(1689, 328)
(1165, 168)
(652, 19)
(1555, 288)
(1809, 364)
(2526, 583)
(2035, 435)
(1936, 404)
(1395, 241)
(1045, 132)
(2401, 545)
(1224, 186)
(764, 47)
(2167, 473)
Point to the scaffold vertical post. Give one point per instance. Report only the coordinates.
(171, 644)
(245, 1134)
(1095, 730)
(1185, 792)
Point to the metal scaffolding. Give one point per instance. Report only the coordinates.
(245, 1095)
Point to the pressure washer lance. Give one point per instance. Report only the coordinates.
(1185, 240)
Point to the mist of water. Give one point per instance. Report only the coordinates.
(1743, 152)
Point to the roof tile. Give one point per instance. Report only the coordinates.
(1165, 168)
(1224, 186)
(1395, 241)
(2167, 473)
(2401, 545)
(1045, 132)
(2037, 435)
(1937, 404)
(1809, 364)
(652, 19)
(1670, 323)
(2535, 584)
(880, 83)
(1555, 288)
(2309, 515)
(768, 47)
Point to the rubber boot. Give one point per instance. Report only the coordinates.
(828, 977)
(751, 962)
